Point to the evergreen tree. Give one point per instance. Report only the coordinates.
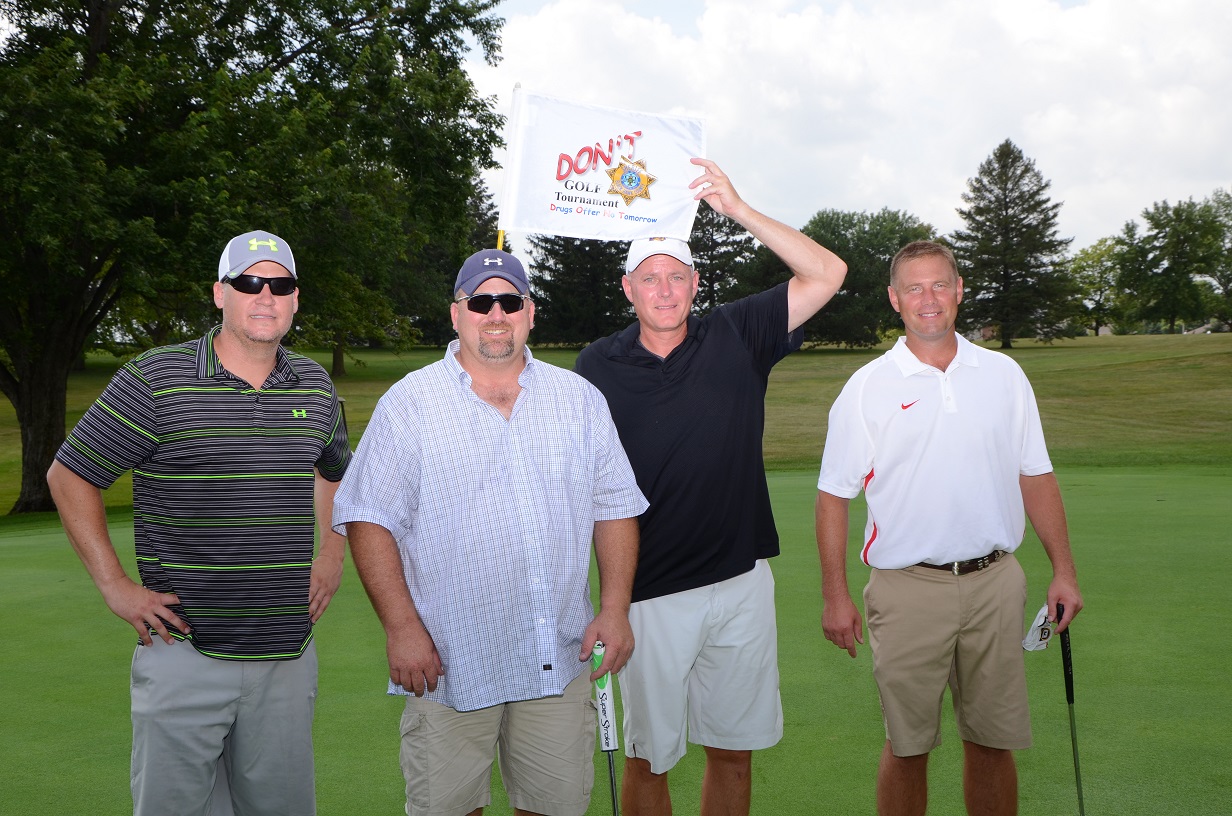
(721, 250)
(1010, 256)
(577, 288)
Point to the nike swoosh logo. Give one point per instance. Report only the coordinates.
(908, 405)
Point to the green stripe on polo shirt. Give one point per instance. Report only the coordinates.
(230, 521)
(236, 567)
(223, 477)
(224, 389)
(207, 433)
(247, 613)
(94, 457)
(273, 656)
(200, 389)
(319, 392)
(120, 417)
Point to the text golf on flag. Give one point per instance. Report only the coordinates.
(585, 171)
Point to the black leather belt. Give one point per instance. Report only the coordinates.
(971, 565)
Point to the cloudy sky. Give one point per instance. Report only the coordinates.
(894, 103)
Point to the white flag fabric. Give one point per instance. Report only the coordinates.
(586, 171)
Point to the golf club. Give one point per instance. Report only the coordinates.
(1067, 662)
(607, 718)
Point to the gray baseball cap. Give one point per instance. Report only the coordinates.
(243, 251)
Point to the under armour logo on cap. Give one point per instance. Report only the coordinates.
(496, 261)
(253, 243)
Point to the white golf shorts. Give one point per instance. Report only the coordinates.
(704, 670)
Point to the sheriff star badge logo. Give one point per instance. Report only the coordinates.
(630, 180)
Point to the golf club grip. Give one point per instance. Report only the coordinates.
(604, 705)
(1067, 660)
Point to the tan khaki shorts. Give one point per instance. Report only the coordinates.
(546, 748)
(929, 629)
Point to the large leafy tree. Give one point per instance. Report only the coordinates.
(140, 134)
(1181, 244)
(860, 312)
(1095, 270)
(426, 290)
(1220, 273)
(1010, 254)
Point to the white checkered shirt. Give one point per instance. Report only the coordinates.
(493, 520)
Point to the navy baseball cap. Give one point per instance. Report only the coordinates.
(491, 263)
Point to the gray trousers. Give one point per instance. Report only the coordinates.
(221, 737)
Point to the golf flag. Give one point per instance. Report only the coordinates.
(586, 171)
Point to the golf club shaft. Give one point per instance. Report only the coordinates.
(1067, 662)
(611, 775)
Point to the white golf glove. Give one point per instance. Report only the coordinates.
(1040, 632)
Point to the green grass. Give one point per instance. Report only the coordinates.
(1138, 428)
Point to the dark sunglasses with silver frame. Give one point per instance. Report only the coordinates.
(482, 303)
(253, 284)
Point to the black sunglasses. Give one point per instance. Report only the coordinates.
(253, 284)
(482, 304)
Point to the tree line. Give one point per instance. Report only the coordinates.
(138, 135)
(1020, 280)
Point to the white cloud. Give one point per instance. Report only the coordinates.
(892, 103)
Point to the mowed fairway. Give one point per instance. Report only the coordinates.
(1140, 431)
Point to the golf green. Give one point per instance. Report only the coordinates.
(1151, 662)
(1140, 431)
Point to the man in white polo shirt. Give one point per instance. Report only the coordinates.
(944, 437)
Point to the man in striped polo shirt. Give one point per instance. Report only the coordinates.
(236, 448)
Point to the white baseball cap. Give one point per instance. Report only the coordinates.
(643, 248)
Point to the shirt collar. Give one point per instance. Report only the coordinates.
(909, 364)
(209, 367)
(460, 374)
(628, 341)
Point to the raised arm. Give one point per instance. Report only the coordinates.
(616, 543)
(1041, 496)
(85, 522)
(840, 620)
(817, 273)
